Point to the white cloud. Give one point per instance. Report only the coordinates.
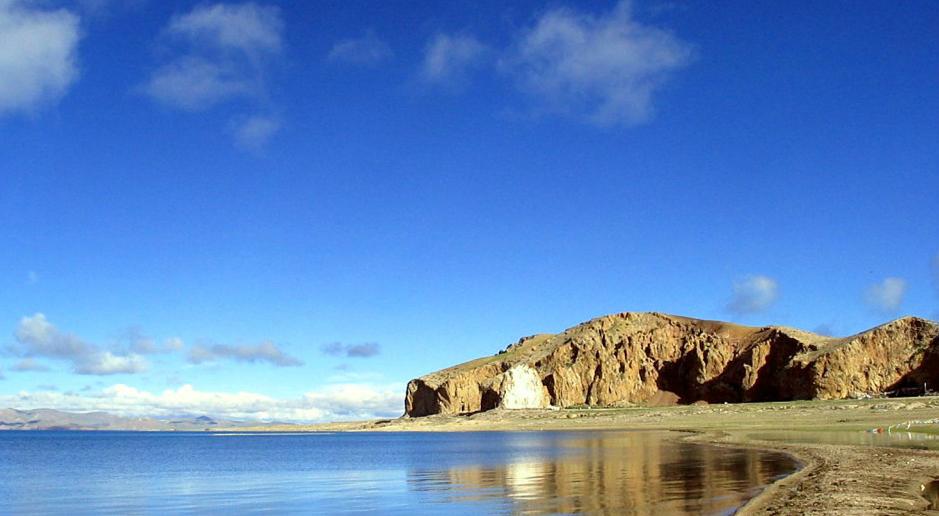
(107, 363)
(134, 341)
(334, 402)
(753, 294)
(195, 83)
(449, 58)
(886, 296)
(38, 59)
(37, 337)
(363, 350)
(601, 68)
(223, 53)
(29, 364)
(264, 352)
(173, 344)
(367, 50)
(357, 401)
(254, 132)
(249, 28)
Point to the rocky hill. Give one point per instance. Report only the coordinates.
(654, 359)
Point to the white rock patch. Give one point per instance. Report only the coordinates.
(522, 389)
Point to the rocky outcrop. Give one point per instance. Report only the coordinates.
(518, 388)
(649, 358)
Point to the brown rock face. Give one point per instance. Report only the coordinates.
(650, 358)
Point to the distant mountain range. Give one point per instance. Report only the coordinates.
(48, 419)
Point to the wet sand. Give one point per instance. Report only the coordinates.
(836, 478)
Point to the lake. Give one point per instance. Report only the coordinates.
(388, 473)
(898, 438)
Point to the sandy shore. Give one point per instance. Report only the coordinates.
(837, 478)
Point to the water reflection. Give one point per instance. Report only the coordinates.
(75, 473)
(624, 472)
(894, 439)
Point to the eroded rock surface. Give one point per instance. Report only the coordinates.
(518, 388)
(650, 358)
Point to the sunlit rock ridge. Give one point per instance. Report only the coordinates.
(653, 359)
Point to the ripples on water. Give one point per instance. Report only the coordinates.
(403, 473)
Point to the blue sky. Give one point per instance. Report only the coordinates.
(287, 210)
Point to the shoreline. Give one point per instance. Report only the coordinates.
(840, 479)
(850, 478)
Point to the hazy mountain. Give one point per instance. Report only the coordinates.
(48, 419)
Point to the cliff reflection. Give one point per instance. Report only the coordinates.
(611, 472)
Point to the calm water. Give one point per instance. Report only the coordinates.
(895, 439)
(393, 473)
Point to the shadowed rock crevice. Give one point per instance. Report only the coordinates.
(652, 358)
(925, 377)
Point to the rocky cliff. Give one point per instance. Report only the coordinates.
(652, 358)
